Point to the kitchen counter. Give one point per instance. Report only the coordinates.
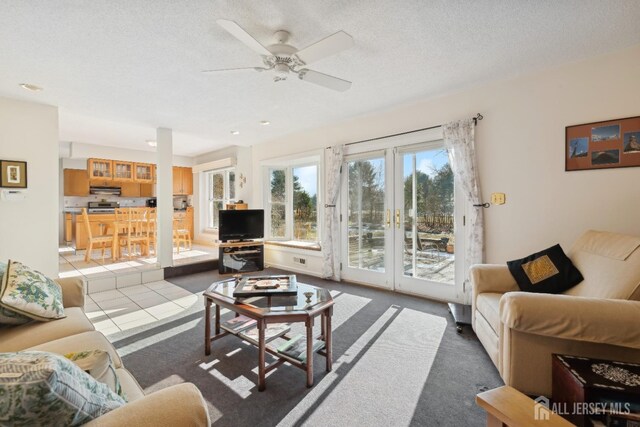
(79, 210)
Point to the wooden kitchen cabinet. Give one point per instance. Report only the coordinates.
(104, 172)
(177, 180)
(147, 190)
(187, 181)
(182, 180)
(130, 189)
(144, 173)
(68, 227)
(122, 171)
(100, 171)
(76, 182)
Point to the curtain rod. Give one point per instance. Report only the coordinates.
(475, 119)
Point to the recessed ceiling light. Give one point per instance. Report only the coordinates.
(31, 87)
(235, 132)
(265, 122)
(152, 143)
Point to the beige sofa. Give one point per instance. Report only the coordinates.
(597, 318)
(181, 404)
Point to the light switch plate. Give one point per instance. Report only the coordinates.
(498, 198)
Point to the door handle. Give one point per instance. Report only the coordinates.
(388, 218)
(398, 218)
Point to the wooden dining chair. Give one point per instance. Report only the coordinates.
(152, 229)
(181, 233)
(133, 230)
(102, 240)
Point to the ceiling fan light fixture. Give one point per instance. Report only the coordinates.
(282, 71)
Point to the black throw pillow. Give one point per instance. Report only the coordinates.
(549, 271)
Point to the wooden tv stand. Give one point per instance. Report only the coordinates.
(240, 257)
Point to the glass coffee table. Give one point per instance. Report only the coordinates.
(309, 304)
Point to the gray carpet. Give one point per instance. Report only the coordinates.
(397, 361)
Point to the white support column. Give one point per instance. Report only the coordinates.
(164, 173)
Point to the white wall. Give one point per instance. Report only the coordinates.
(521, 151)
(29, 228)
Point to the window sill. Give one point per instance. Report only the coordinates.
(310, 246)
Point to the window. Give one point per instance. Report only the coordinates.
(292, 203)
(221, 189)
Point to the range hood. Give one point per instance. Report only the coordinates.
(111, 191)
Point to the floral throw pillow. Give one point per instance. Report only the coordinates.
(30, 293)
(9, 317)
(40, 388)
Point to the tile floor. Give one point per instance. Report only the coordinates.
(124, 309)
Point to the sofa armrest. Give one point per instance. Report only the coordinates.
(178, 405)
(492, 278)
(72, 291)
(596, 320)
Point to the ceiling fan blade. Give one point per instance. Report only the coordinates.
(326, 47)
(238, 32)
(325, 80)
(235, 69)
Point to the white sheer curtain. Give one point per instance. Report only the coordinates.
(331, 230)
(460, 144)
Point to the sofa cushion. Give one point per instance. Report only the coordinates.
(488, 305)
(79, 342)
(548, 271)
(16, 338)
(98, 364)
(10, 317)
(606, 275)
(41, 388)
(130, 386)
(30, 293)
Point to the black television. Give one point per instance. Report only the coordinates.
(242, 224)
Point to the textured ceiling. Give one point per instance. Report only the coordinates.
(119, 69)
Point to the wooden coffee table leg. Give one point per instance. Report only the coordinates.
(217, 324)
(261, 359)
(327, 339)
(309, 324)
(207, 327)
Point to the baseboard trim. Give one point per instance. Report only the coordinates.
(196, 267)
(293, 269)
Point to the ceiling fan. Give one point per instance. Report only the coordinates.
(284, 59)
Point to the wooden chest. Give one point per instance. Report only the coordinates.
(582, 387)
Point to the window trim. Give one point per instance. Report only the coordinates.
(208, 193)
(288, 164)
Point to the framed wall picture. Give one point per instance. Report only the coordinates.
(603, 145)
(13, 174)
